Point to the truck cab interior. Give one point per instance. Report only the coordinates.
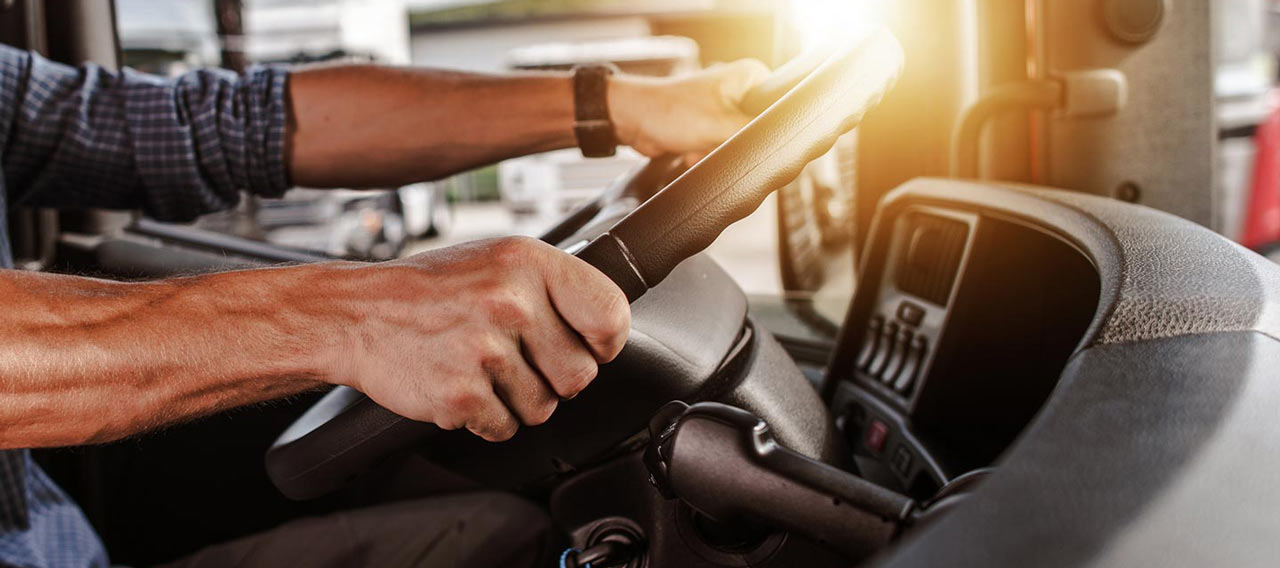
(1049, 355)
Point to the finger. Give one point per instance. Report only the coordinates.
(493, 421)
(522, 390)
(740, 77)
(559, 355)
(593, 306)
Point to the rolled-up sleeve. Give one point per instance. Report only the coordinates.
(79, 137)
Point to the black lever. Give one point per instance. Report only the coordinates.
(725, 463)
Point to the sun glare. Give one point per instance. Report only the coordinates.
(819, 20)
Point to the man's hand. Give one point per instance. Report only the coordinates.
(688, 115)
(485, 336)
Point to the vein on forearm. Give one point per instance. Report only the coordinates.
(85, 360)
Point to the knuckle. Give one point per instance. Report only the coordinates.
(514, 251)
(508, 307)
(449, 421)
(464, 402)
(448, 418)
(504, 434)
(544, 411)
(576, 380)
(493, 366)
(482, 432)
(501, 430)
(613, 324)
(618, 310)
(482, 347)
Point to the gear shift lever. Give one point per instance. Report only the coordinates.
(725, 463)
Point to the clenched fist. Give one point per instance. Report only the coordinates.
(484, 336)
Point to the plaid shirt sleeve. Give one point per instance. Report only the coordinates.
(79, 137)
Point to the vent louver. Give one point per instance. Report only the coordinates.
(931, 256)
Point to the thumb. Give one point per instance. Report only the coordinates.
(739, 77)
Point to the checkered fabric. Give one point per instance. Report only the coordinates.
(80, 137)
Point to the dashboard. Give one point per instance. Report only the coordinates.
(959, 330)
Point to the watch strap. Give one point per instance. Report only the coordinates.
(592, 125)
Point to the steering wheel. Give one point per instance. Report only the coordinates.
(801, 109)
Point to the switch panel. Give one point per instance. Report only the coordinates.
(920, 275)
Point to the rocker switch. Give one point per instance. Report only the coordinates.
(899, 356)
(915, 360)
(884, 351)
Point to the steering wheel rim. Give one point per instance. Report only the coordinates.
(801, 109)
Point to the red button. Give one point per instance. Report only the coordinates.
(876, 434)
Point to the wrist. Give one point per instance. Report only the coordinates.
(623, 93)
(325, 316)
(291, 323)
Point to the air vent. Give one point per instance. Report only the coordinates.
(931, 250)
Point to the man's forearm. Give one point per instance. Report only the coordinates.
(369, 126)
(86, 360)
(485, 336)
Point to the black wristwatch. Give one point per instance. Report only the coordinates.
(592, 124)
